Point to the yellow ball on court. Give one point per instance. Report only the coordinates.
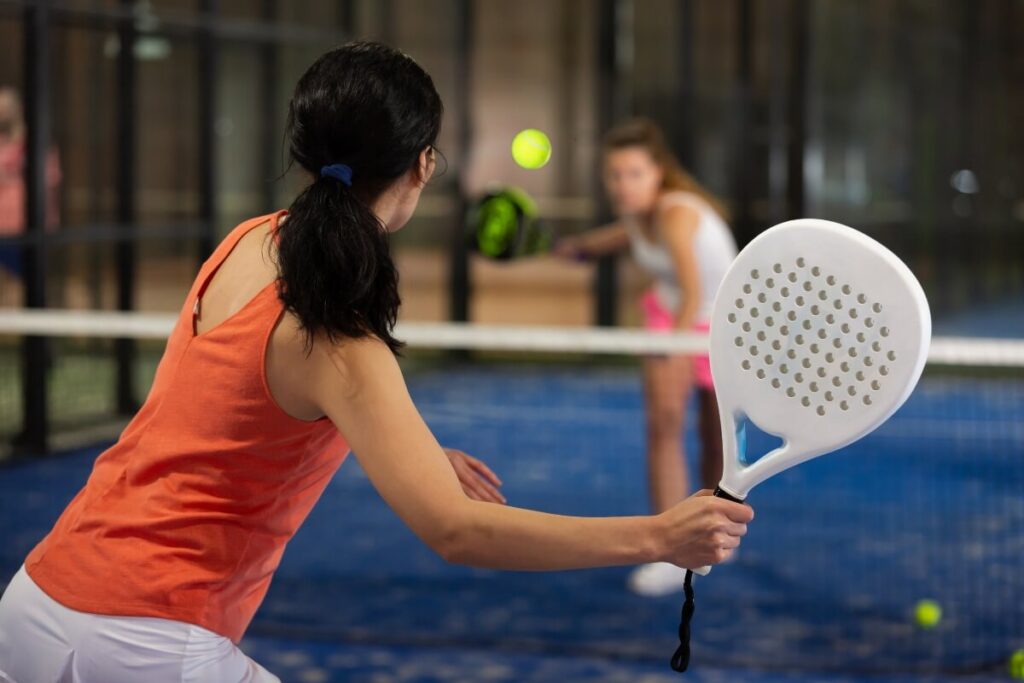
(1017, 665)
(928, 614)
(531, 148)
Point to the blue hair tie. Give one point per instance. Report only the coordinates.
(338, 172)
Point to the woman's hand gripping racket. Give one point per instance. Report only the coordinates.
(818, 334)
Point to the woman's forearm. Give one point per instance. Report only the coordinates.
(502, 537)
(607, 239)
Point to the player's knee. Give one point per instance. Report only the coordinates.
(665, 421)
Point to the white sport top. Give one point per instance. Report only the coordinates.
(714, 249)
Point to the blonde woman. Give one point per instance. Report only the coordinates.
(676, 231)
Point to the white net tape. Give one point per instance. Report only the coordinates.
(60, 323)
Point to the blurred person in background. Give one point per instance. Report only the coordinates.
(13, 150)
(676, 231)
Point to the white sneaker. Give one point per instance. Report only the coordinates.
(656, 579)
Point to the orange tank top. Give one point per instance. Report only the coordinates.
(187, 515)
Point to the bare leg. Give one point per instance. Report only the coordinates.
(667, 382)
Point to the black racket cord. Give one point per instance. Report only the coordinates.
(681, 659)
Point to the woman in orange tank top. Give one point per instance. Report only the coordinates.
(282, 359)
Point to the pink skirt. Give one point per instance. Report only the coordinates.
(658, 318)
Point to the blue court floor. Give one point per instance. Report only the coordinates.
(930, 506)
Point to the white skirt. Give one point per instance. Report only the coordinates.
(41, 641)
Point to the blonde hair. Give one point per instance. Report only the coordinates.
(641, 132)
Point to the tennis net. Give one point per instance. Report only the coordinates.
(930, 507)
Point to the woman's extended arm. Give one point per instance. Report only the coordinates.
(360, 387)
(607, 239)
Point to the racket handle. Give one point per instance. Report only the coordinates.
(719, 493)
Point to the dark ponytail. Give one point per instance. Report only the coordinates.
(374, 110)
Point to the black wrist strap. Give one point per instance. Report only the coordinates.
(681, 659)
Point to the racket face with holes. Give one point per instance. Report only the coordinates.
(818, 334)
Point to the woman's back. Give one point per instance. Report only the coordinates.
(187, 515)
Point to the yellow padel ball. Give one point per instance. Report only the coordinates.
(927, 614)
(531, 148)
(1017, 665)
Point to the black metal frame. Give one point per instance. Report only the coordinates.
(37, 109)
(610, 107)
(967, 251)
(125, 349)
(208, 66)
(685, 137)
(743, 193)
(209, 30)
(796, 204)
(459, 285)
(269, 93)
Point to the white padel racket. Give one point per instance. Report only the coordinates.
(818, 334)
